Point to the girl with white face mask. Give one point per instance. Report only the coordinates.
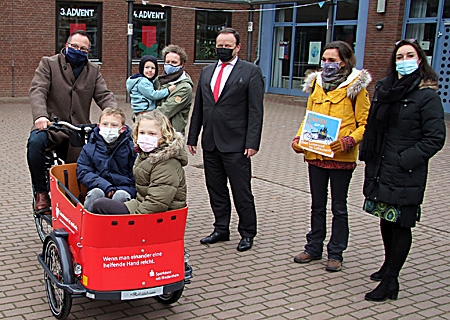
(404, 130)
(158, 170)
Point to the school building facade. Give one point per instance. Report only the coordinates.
(285, 38)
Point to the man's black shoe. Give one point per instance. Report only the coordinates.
(215, 237)
(245, 244)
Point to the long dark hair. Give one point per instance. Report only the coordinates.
(345, 53)
(425, 70)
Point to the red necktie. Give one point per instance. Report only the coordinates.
(218, 81)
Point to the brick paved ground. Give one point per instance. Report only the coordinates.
(263, 283)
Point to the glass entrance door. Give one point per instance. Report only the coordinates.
(296, 34)
(281, 53)
(309, 43)
(291, 65)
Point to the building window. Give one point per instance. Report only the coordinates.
(425, 34)
(446, 14)
(347, 10)
(424, 9)
(208, 24)
(346, 33)
(151, 31)
(315, 13)
(284, 13)
(79, 16)
(297, 46)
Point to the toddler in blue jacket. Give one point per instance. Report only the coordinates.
(105, 165)
(140, 86)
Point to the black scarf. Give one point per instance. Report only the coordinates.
(384, 113)
(166, 78)
(77, 70)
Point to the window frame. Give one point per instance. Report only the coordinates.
(228, 24)
(137, 26)
(96, 41)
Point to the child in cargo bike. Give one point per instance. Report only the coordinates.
(158, 170)
(106, 162)
(136, 256)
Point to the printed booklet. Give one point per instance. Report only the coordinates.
(318, 132)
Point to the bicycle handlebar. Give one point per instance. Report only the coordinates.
(57, 125)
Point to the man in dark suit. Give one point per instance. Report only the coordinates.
(229, 107)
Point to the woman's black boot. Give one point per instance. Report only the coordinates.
(386, 229)
(378, 276)
(388, 288)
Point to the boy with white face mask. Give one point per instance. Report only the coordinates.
(105, 165)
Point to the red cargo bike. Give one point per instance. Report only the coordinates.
(109, 257)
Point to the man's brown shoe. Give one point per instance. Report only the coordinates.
(42, 203)
(305, 257)
(333, 265)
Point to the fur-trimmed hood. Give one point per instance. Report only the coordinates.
(428, 84)
(173, 149)
(357, 80)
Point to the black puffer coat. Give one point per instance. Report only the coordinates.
(400, 175)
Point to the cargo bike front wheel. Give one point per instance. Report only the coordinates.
(59, 300)
(171, 297)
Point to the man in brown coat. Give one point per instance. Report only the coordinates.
(63, 86)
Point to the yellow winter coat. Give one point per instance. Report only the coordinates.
(349, 102)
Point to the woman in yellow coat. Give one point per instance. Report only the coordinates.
(338, 91)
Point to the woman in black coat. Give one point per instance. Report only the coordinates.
(405, 129)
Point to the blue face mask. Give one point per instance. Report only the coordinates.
(168, 68)
(76, 57)
(330, 68)
(405, 67)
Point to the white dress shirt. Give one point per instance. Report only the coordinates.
(225, 74)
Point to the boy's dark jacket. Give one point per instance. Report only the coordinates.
(108, 170)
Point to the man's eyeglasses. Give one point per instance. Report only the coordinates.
(77, 47)
(407, 40)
